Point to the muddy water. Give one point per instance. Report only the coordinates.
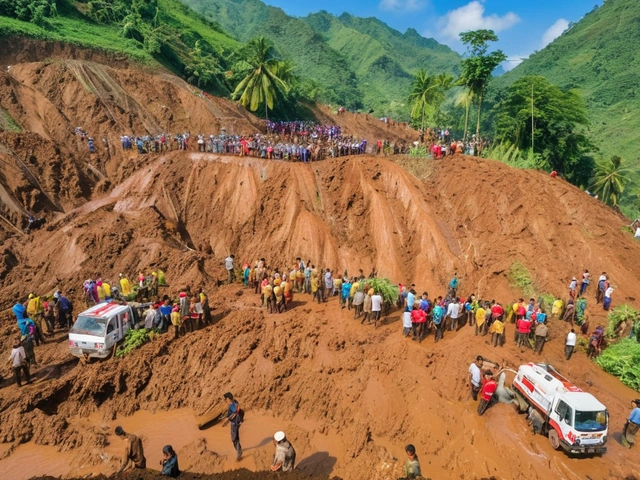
(177, 428)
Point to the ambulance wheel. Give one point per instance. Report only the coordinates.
(554, 439)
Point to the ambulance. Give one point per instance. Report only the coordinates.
(98, 330)
(572, 419)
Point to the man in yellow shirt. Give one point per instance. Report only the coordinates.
(125, 285)
(35, 311)
(497, 332)
(481, 317)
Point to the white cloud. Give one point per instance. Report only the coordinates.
(554, 31)
(472, 17)
(401, 5)
(513, 61)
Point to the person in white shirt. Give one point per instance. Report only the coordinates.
(18, 359)
(376, 307)
(475, 375)
(606, 304)
(570, 344)
(453, 312)
(228, 264)
(406, 323)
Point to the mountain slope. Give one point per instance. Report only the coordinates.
(599, 56)
(359, 62)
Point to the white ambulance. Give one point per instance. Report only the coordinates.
(98, 330)
(572, 419)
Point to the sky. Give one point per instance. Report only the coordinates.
(522, 26)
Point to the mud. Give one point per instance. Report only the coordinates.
(349, 396)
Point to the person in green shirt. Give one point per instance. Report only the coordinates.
(412, 465)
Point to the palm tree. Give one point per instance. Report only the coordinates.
(428, 93)
(261, 85)
(610, 179)
(465, 97)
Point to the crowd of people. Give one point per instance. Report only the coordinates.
(302, 141)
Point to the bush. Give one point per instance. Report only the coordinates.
(384, 287)
(621, 313)
(135, 339)
(623, 360)
(520, 278)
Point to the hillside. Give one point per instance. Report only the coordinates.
(349, 396)
(599, 56)
(357, 62)
(170, 33)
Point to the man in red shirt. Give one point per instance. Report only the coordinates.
(496, 311)
(489, 387)
(524, 331)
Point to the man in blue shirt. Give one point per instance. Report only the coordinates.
(632, 425)
(235, 415)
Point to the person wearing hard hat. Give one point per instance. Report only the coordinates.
(285, 457)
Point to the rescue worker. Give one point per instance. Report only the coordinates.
(632, 425)
(486, 394)
(133, 451)
(235, 415)
(285, 457)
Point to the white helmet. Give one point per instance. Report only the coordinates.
(279, 436)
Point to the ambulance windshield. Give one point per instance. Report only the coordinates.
(590, 421)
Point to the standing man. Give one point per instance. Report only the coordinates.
(570, 344)
(475, 375)
(228, 264)
(18, 359)
(285, 457)
(633, 424)
(133, 451)
(376, 307)
(235, 416)
(541, 336)
(606, 304)
(453, 312)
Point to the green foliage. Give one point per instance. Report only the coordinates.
(478, 66)
(623, 360)
(600, 56)
(358, 63)
(35, 11)
(134, 339)
(512, 155)
(520, 278)
(8, 123)
(384, 287)
(164, 31)
(559, 118)
(428, 92)
(611, 177)
(261, 68)
(619, 314)
(202, 69)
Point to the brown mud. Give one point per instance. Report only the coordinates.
(349, 396)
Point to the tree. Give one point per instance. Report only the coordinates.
(261, 84)
(202, 69)
(465, 98)
(611, 176)
(427, 94)
(560, 119)
(478, 67)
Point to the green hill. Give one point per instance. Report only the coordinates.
(170, 32)
(357, 62)
(599, 56)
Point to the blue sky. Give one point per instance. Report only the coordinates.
(523, 26)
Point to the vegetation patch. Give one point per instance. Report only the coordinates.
(622, 360)
(134, 339)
